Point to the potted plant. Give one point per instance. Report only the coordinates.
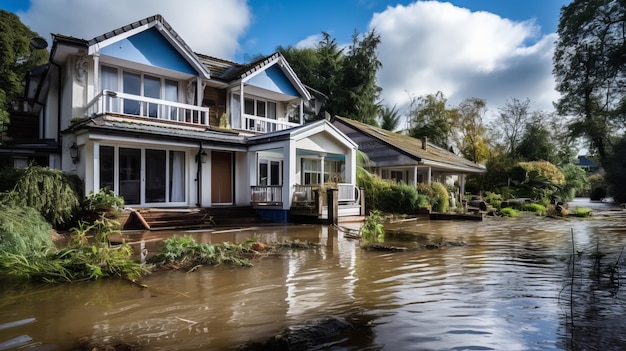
(104, 202)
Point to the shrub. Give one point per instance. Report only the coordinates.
(374, 188)
(103, 201)
(598, 193)
(51, 192)
(441, 200)
(399, 198)
(509, 212)
(372, 230)
(23, 231)
(537, 208)
(582, 212)
(546, 170)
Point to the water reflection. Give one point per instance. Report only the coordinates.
(507, 287)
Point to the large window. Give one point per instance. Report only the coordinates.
(144, 176)
(270, 172)
(259, 108)
(134, 83)
(333, 171)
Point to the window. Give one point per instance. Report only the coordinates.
(270, 172)
(259, 108)
(311, 172)
(333, 171)
(141, 85)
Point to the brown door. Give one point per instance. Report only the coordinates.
(221, 177)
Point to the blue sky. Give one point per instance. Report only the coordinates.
(490, 49)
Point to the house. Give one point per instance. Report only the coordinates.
(403, 158)
(138, 111)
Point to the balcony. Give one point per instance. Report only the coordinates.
(115, 102)
(266, 125)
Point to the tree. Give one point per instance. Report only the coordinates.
(17, 57)
(511, 122)
(348, 78)
(615, 169)
(358, 92)
(472, 133)
(429, 117)
(589, 63)
(389, 118)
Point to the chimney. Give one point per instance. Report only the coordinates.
(424, 142)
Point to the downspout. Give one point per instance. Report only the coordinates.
(199, 176)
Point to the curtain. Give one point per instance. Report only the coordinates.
(177, 176)
(108, 81)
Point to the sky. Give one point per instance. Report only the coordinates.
(495, 50)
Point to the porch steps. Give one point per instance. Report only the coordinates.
(172, 219)
(234, 215)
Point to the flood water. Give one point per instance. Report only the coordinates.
(500, 284)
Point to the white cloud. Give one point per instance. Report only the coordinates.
(433, 46)
(209, 27)
(309, 42)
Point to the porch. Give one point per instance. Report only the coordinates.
(312, 200)
(108, 101)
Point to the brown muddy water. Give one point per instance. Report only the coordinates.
(500, 284)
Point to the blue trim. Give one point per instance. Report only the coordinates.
(150, 48)
(275, 216)
(274, 79)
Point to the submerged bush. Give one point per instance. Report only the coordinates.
(49, 191)
(23, 231)
(183, 252)
(372, 230)
(538, 208)
(509, 212)
(441, 200)
(399, 198)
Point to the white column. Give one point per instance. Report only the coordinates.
(428, 175)
(241, 107)
(415, 176)
(322, 157)
(96, 76)
(289, 172)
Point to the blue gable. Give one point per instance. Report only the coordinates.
(274, 79)
(151, 48)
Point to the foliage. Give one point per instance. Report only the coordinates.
(597, 187)
(102, 201)
(348, 79)
(186, 252)
(589, 67)
(509, 212)
(389, 118)
(492, 198)
(79, 261)
(18, 57)
(51, 192)
(429, 117)
(374, 188)
(441, 198)
(575, 182)
(615, 167)
(582, 211)
(422, 201)
(23, 231)
(537, 144)
(537, 208)
(546, 170)
(399, 198)
(471, 136)
(372, 231)
(511, 122)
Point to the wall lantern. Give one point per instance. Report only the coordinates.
(74, 153)
(202, 157)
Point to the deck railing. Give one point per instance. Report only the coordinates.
(266, 125)
(267, 194)
(108, 101)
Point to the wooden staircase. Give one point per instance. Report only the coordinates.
(171, 219)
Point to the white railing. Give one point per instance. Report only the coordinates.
(348, 192)
(266, 125)
(109, 101)
(267, 194)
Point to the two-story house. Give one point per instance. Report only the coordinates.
(138, 111)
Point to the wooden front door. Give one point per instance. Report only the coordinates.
(221, 177)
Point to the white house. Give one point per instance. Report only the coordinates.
(138, 111)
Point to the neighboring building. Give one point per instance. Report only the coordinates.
(406, 159)
(136, 110)
(587, 164)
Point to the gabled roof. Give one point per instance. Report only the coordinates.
(413, 148)
(303, 131)
(230, 72)
(156, 21)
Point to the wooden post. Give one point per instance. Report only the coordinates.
(333, 205)
(362, 202)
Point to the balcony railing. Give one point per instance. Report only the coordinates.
(109, 101)
(266, 125)
(267, 194)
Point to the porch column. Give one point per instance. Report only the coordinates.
(241, 107)
(289, 172)
(428, 175)
(462, 186)
(322, 157)
(350, 167)
(415, 176)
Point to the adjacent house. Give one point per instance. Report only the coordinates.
(138, 111)
(404, 158)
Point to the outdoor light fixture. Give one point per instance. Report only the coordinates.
(201, 157)
(74, 154)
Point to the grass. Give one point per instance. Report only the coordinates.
(537, 208)
(509, 212)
